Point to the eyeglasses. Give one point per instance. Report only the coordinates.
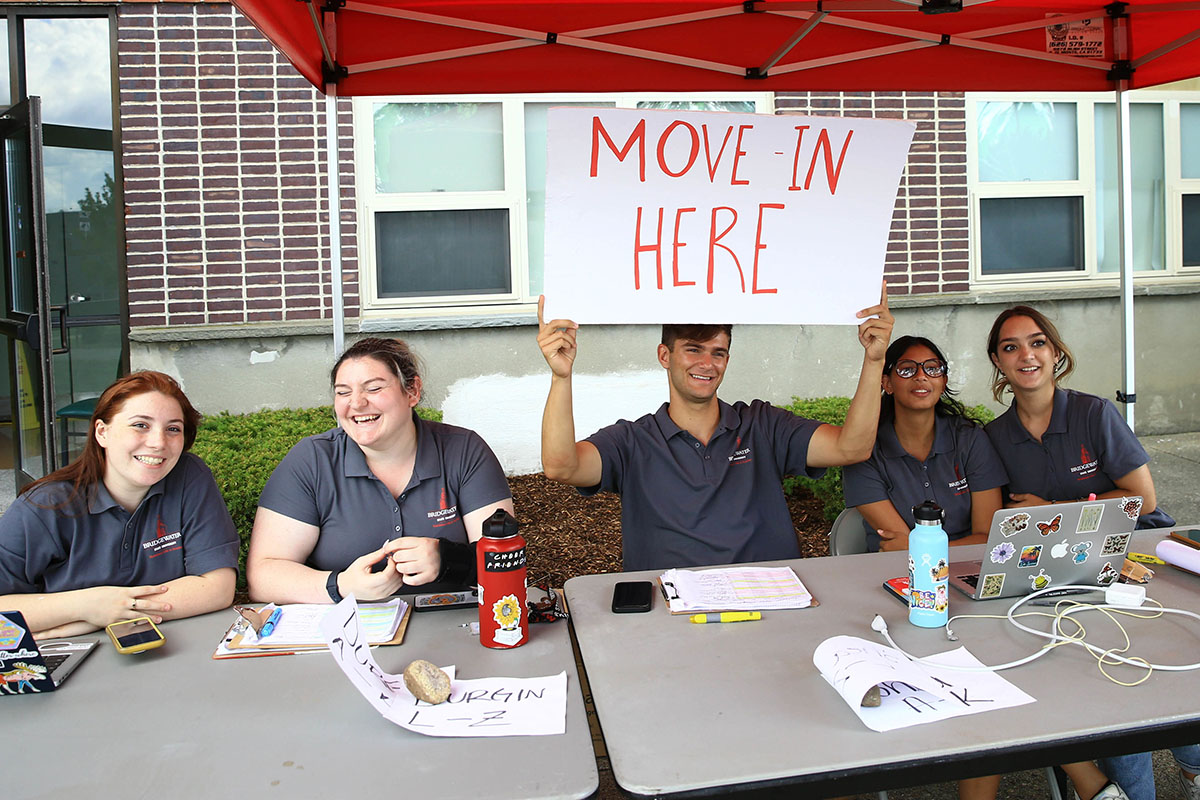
(907, 369)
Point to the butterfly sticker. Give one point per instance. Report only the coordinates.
(1047, 528)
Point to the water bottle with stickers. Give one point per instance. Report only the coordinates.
(928, 568)
(503, 618)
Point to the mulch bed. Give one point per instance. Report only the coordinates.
(568, 534)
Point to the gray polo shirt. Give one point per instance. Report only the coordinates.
(684, 504)
(181, 527)
(1085, 449)
(325, 481)
(962, 460)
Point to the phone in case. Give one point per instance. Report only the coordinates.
(632, 597)
(135, 635)
(1191, 538)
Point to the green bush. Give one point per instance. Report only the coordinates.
(828, 488)
(243, 449)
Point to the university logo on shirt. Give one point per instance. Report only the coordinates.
(959, 484)
(1087, 465)
(163, 542)
(445, 514)
(741, 455)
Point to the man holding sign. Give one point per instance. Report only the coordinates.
(700, 479)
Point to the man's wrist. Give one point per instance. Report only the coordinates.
(331, 586)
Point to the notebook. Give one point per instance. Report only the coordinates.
(1039, 547)
(27, 667)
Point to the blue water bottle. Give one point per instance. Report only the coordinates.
(928, 568)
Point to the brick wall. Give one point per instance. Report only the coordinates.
(224, 173)
(927, 250)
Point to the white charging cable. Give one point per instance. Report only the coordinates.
(1125, 601)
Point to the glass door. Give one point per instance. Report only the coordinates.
(29, 320)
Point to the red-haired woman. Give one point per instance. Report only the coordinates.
(133, 527)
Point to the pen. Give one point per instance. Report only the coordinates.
(269, 626)
(727, 616)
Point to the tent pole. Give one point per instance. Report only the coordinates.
(333, 192)
(1127, 393)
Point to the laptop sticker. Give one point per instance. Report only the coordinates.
(1014, 524)
(1089, 518)
(1059, 550)
(1107, 575)
(1040, 581)
(1002, 552)
(1079, 553)
(1115, 544)
(1132, 506)
(21, 667)
(1047, 528)
(1030, 555)
(991, 586)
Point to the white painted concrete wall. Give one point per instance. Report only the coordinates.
(506, 410)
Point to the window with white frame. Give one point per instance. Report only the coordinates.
(451, 195)
(1044, 186)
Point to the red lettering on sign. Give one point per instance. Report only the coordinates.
(832, 173)
(675, 245)
(712, 165)
(692, 153)
(737, 154)
(638, 136)
(713, 244)
(759, 246)
(639, 248)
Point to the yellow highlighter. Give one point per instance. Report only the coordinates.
(727, 616)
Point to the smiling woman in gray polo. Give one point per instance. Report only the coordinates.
(383, 501)
(133, 527)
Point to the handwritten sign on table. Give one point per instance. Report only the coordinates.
(911, 693)
(481, 707)
(678, 216)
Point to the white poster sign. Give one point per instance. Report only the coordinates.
(673, 216)
(480, 707)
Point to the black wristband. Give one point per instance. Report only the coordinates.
(458, 563)
(332, 587)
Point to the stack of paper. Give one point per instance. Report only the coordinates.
(299, 629)
(734, 589)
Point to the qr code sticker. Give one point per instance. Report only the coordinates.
(1115, 544)
(991, 586)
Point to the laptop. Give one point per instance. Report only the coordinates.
(1039, 547)
(27, 667)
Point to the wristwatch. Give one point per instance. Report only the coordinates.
(332, 587)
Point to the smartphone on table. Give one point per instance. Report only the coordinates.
(632, 597)
(135, 635)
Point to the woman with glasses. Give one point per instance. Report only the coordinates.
(927, 448)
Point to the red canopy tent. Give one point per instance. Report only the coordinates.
(347, 47)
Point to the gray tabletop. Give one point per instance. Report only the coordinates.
(689, 708)
(174, 723)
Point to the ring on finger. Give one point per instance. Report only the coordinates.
(133, 604)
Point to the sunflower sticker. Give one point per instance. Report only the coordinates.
(507, 613)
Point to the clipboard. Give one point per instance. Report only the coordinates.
(233, 643)
(668, 593)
